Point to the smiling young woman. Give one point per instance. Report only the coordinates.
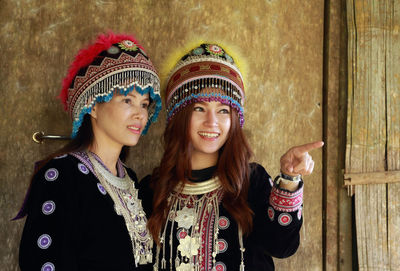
(212, 209)
(83, 210)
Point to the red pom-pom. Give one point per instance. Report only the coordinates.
(87, 55)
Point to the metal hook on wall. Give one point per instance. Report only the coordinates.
(39, 137)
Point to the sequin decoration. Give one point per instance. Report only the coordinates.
(128, 45)
(299, 213)
(51, 174)
(214, 50)
(113, 50)
(284, 219)
(48, 207)
(101, 189)
(220, 266)
(44, 241)
(222, 245)
(198, 51)
(82, 168)
(181, 234)
(48, 267)
(271, 213)
(228, 58)
(223, 223)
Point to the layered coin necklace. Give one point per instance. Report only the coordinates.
(126, 203)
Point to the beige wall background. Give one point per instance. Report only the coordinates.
(282, 41)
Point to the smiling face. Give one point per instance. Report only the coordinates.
(209, 128)
(120, 122)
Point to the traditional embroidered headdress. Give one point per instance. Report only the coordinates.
(112, 63)
(206, 73)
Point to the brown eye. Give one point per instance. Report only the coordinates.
(224, 111)
(198, 109)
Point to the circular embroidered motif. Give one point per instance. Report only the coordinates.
(299, 213)
(44, 241)
(51, 174)
(223, 223)
(48, 207)
(214, 50)
(181, 234)
(61, 156)
(222, 245)
(271, 213)
(101, 189)
(113, 50)
(284, 219)
(128, 45)
(48, 267)
(82, 168)
(220, 266)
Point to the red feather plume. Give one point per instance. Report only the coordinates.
(87, 55)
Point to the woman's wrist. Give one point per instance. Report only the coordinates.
(287, 182)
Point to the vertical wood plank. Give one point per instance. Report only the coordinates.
(393, 128)
(366, 126)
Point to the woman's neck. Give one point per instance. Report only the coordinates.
(109, 156)
(203, 160)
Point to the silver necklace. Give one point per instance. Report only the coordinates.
(126, 203)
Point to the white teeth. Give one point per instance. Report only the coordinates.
(209, 135)
(133, 128)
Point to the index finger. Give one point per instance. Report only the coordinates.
(309, 146)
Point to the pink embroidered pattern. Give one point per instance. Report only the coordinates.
(286, 201)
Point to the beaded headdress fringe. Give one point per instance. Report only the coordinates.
(103, 90)
(192, 92)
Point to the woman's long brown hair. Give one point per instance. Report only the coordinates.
(232, 169)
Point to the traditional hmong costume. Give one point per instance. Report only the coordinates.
(80, 216)
(199, 233)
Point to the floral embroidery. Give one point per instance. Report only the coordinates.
(185, 217)
(188, 246)
(214, 50)
(128, 45)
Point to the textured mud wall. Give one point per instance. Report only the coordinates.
(281, 41)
